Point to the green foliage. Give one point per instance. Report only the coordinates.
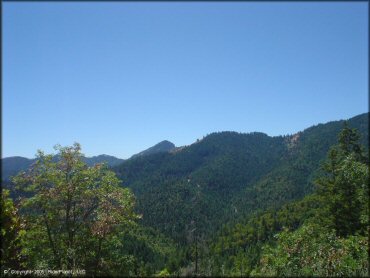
(216, 168)
(11, 233)
(340, 205)
(246, 239)
(74, 209)
(313, 250)
(339, 246)
(345, 185)
(163, 273)
(137, 251)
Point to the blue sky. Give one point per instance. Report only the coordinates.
(121, 77)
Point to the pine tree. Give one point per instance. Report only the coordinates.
(346, 175)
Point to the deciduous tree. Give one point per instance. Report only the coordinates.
(74, 207)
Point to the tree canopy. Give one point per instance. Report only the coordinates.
(72, 210)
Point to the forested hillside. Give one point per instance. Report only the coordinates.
(227, 175)
(229, 204)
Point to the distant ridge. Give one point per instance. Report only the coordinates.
(14, 164)
(10, 166)
(109, 159)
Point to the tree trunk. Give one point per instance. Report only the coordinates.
(51, 241)
(98, 254)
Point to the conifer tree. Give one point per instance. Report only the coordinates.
(345, 180)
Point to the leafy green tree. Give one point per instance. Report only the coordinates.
(11, 233)
(163, 273)
(313, 250)
(73, 210)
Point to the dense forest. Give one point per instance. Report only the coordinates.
(230, 204)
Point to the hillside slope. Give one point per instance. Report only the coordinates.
(228, 176)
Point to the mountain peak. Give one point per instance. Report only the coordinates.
(163, 146)
(165, 143)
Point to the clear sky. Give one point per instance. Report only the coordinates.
(121, 77)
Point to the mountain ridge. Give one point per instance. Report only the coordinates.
(11, 165)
